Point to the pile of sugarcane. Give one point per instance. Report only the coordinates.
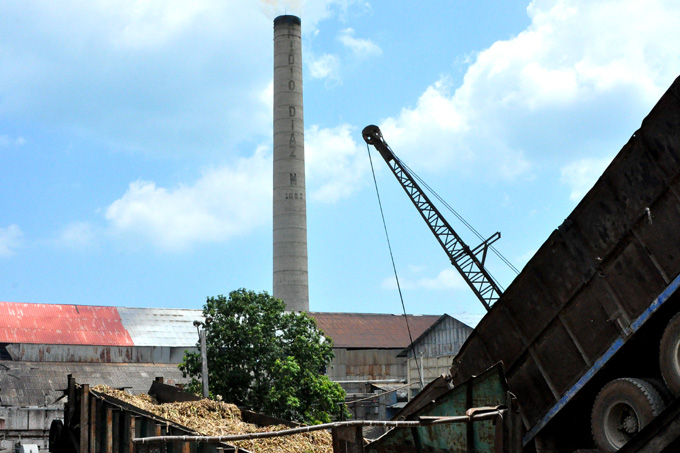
(216, 418)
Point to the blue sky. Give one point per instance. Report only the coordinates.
(136, 139)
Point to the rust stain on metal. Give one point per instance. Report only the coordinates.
(61, 324)
(369, 330)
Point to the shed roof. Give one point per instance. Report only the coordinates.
(61, 324)
(161, 326)
(120, 326)
(93, 325)
(371, 330)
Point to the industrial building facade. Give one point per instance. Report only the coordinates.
(41, 344)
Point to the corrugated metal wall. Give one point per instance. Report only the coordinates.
(445, 339)
(432, 368)
(366, 364)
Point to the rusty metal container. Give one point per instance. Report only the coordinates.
(500, 434)
(591, 303)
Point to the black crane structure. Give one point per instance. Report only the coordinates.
(469, 262)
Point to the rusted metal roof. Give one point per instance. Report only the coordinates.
(61, 324)
(101, 326)
(111, 326)
(371, 330)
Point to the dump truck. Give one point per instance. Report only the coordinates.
(589, 331)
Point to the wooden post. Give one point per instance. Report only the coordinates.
(117, 431)
(159, 447)
(71, 391)
(84, 417)
(131, 433)
(108, 447)
(93, 425)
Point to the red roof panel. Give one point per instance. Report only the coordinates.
(62, 324)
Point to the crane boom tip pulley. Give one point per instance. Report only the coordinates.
(373, 136)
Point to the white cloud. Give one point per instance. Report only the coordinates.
(310, 11)
(360, 47)
(580, 175)
(564, 56)
(10, 240)
(447, 279)
(550, 88)
(147, 24)
(222, 204)
(325, 67)
(77, 235)
(231, 201)
(171, 74)
(336, 165)
(435, 124)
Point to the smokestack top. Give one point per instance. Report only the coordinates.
(287, 19)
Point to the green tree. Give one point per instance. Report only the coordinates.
(263, 358)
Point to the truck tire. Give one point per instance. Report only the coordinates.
(621, 409)
(662, 389)
(55, 434)
(669, 355)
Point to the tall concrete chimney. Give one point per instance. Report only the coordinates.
(290, 199)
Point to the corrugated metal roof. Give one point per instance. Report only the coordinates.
(371, 330)
(93, 325)
(161, 326)
(111, 326)
(61, 324)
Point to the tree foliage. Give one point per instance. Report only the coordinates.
(266, 359)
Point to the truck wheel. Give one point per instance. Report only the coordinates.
(669, 355)
(55, 433)
(622, 408)
(661, 388)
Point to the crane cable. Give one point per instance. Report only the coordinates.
(460, 217)
(394, 267)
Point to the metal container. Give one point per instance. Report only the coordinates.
(591, 305)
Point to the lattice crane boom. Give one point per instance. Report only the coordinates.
(469, 262)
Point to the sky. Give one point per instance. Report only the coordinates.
(136, 140)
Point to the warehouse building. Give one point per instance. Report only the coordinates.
(41, 344)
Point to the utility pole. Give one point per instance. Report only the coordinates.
(204, 360)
